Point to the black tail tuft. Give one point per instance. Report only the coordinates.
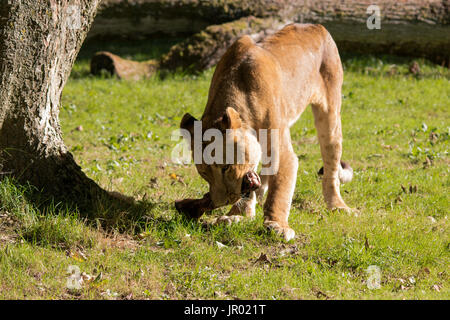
(345, 174)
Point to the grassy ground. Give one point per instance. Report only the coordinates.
(396, 137)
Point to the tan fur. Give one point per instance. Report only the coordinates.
(268, 85)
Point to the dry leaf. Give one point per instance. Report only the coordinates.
(320, 294)
(288, 251)
(263, 258)
(173, 176)
(86, 277)
(433, 220)
(220, 245)
(436, 287)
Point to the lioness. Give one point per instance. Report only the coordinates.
(268, 85)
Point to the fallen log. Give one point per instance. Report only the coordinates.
(145, 18)
(195, 54)
(204, 49)
(122, 68)
(411, 28)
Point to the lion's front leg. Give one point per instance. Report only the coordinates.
(245, 206)
(280, 192)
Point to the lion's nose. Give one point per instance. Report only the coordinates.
(250, 182)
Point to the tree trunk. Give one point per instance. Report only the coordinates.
(39, 43)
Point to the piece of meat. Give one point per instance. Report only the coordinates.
(250, 182)
(194, 208)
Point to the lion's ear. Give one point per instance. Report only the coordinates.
(187, 123)
(231, 119)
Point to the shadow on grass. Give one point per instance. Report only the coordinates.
(33, 211)
(49, 222)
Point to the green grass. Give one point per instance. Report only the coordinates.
(393, 121)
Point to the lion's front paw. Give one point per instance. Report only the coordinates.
(286, 232)
(228, 220)
(243, 208)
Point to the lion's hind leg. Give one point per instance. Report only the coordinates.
(327, 118)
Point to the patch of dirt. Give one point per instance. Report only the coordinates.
(8, 226)
(119, 241)
(7, 237)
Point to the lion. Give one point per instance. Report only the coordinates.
(267, 86)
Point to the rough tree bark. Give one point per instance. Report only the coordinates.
(418, 28)
(38, 46)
